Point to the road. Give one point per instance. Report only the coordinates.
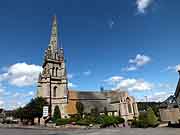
(115, 131)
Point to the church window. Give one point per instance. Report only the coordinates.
(129, 108)
(129, 105)
(56, 71)
(54, 91)
(53, 71)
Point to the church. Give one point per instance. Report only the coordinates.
(53, 86)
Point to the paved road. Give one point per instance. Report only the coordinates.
(120, 131)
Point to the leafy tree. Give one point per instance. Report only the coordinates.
(57, 113)
(94, 112)
(151, 117)
(80, 108)
(34, 109)
(105, 111)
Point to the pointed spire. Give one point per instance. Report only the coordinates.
(54, 35)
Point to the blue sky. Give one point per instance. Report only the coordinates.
(127, 44)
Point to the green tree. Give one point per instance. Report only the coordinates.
(80, 108)
(94, 112)
(57, 113)
(34, 109)
(151, 117)
(105, 111)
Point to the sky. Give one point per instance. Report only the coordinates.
(131, 45)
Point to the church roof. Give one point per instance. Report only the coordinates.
(86, 95)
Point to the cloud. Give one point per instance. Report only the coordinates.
(111, 23)
(13, 100)
(24, 95)
(132, 84)
(140, 60)
(21, 74)
(1, 103)
(142, 5)
(129, 84)
(113, 80)
(173, 68)
(130, 68)
(70, 76)
(137, 62)
(87, 73)
(160, 96)
(71, 85)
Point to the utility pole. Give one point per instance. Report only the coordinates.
(50, 102)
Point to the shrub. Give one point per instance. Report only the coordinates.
(151, 118)
(147, 119)
(57, 114)
(119, 120)
(84, 122)
(105, 120)
(62, 122)
(80, 108)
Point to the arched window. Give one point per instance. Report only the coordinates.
(54, 91)
(129, 105)
(57, 71)
(53, 71)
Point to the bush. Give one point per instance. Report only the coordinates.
(57, 113)
(84, 122)
(106, 121)
(151, 118)
(119, 120)
(62, 122)
(147, 119)
(139, 124)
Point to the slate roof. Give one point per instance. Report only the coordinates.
(92, 100)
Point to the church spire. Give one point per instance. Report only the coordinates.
(54, 35)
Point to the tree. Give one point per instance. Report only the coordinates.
(94, 112)
(57, 113)
(34, 109)
(105, 111)
(80, 108)
(151, 117)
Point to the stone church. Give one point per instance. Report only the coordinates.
(53, 82)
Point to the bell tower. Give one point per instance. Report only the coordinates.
(52, 83)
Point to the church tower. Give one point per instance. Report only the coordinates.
(53, 79)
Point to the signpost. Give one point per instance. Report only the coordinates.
(45, 111)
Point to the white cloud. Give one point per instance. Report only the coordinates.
(129, 84)
(140, 60)
(134, 85)
(21, 74)
(130, 68)
(71, 85)
(70, 76)
(113, 80)
(87, 73)
(160, 96)
(173, 68)
(24, 95)
(137, 62)
(142, 5)
(1, 103)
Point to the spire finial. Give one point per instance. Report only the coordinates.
(54, 34)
